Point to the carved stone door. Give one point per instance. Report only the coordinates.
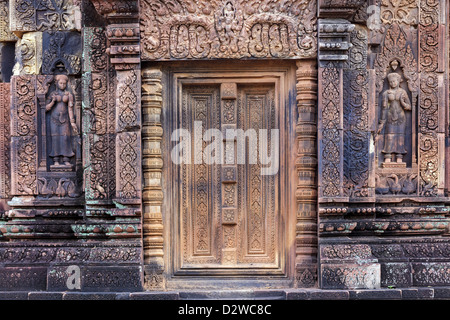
(229, 210)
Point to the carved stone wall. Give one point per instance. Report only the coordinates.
(382, 145)
(228, 29)
(65, 211)
(359, 90)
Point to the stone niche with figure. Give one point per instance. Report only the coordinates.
(60, 141)
(395, 139)
(46, 153)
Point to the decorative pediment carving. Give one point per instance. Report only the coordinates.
(227, 29)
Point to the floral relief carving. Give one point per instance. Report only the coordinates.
(227, 29)
(39, 15)
(399, 11)
(331, 153)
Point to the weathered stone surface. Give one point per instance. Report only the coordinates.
(45, 295)
(5, 33)
(361, 194)
(88, 296)
(20, 295)
(154, 296)
(441, 293)
(397, 275)
(5, 148)
(297, 295)
(34, 15)
(112, 279)
(28, 54)
(417, 294)
(328, 295)
(23, 278)
(94, 278)
(350, 276)
(389, 294)
(431, 274)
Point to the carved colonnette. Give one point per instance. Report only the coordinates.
(306, 193)
(393, 153)
(152, 165)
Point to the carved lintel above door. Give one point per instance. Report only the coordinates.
(227, 29)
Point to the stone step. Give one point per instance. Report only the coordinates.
(233, 295)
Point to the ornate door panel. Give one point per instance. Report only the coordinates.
(228, 219)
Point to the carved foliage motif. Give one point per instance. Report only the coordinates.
(24, 160)
(428, 98)
(38, 15)
(351, 276)
(127, 115)
(128, 165)
(24, 130)
(356, 118)
(28, 54)
(99, 119)
(397, 52)
(199, 104)
(227, 29)
(399, 11)
(397, 47)
(331, 125)
(5, 134)
(5, 33)
(62, 53)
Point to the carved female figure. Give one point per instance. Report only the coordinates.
(395, 102)
(61, 122)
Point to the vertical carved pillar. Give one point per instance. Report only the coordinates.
(5, 165)
(431, 126)
(152, 164)
(124, 56)
(358, 169)
(24, 136)
(306, 194)
(99, 120)
(334, 44)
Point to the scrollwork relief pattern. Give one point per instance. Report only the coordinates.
(100, 118)
(428, 118)
(5, 136)
(331, 142)
(24, 130)
(356, 117)
(228, 29)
